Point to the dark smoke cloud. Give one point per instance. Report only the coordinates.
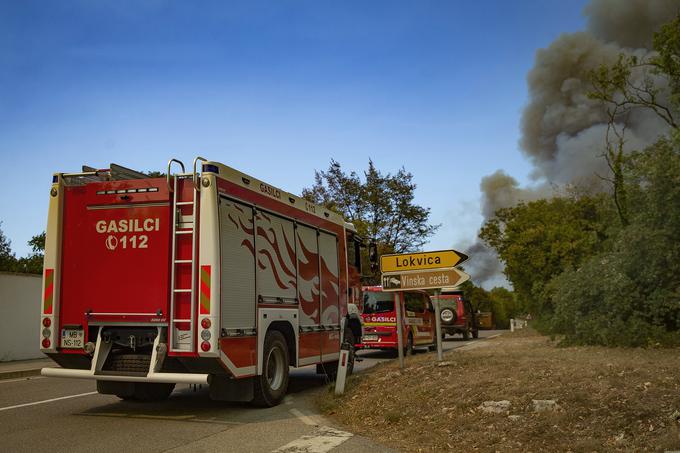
(629, 23)
(499, 190)
(563, 131)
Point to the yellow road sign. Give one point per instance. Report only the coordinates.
(423, 280)
(421, 261)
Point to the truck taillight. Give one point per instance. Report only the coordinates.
(46, 343)
(205, 323)
(46, 322)
(205, 346)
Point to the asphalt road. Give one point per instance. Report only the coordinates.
(41, 414)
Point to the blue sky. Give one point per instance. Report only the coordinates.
(275, 89)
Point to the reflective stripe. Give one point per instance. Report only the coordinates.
(49, 291)
(205, 290)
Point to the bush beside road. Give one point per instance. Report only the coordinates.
(519, 392)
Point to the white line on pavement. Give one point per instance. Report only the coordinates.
(322, 440)
(303, 418)
(46, 401)
(27, 378)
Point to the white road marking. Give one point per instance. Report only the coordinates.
(322, 440)
(46, 401)
(27, 378)
(303, 418)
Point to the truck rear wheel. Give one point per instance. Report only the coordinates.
(272, 384)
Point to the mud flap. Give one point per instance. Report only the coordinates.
(225, 389)
(121, 389)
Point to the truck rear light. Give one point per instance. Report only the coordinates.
(205, 335)
(205, 323)
(46, 322)
(46, 343)
(205, 346)
(46, 332)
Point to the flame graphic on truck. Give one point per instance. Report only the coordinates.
(283, 252)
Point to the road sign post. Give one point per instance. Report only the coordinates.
(438, 324)
(400, 332)
(425, 270)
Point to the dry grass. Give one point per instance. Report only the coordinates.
(609, 399)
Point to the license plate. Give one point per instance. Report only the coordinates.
(370, 338)
(72, 338)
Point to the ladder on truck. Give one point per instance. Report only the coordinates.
(182, 335)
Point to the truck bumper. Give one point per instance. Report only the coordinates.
(166, 378)
(153, 375)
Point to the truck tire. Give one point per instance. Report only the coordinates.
(466, 334)
(475, 333)
(272, 384)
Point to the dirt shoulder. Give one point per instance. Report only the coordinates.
(605, 399)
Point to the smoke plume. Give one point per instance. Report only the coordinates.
(562, 130)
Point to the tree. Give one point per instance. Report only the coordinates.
(33, 264)
(539, 240)
(7, 258)
(627, 293)
(652, 83)
(381, 207)
(504, 306)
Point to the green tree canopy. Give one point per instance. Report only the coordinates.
(32, 264)
(380, 206)
(7, 258)
(539, 240)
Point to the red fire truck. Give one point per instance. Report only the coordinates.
(209, 277)
(380, 319)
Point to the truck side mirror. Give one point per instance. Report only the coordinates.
(373, 255)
